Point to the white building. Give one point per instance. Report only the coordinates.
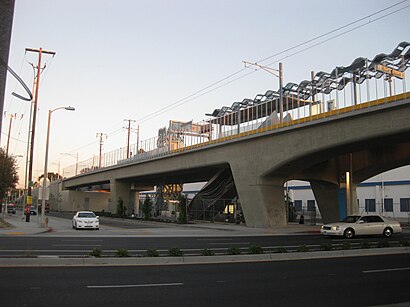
(387, 194)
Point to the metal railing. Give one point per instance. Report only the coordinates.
(227, 128)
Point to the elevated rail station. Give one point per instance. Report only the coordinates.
(329, 100)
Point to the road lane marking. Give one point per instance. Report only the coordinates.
(81, 240)
(215, 239)
(71, 245)
(386, 270)
(136, 286)
(230, 243)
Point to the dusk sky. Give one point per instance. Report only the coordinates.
(126, 59)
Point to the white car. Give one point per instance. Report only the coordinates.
(356, 225)
(86, 220)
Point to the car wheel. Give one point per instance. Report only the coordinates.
(349, 233)
(388, 232)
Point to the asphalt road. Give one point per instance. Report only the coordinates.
(359, 281)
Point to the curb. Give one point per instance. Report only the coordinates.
(55, 261)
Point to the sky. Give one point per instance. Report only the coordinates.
(129, 59)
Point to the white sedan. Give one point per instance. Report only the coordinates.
(86, 220)
(356, 225)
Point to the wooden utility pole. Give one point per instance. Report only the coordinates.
(128, 135)
(33, 127)
(8, 136)
(101, 136)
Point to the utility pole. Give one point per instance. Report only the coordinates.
(101, 136)
(277, 73)
(30, 169)
(8, 136)
(128, 136)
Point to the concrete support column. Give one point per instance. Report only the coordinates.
(335, 202)
(326, 195)
(262, 200)
(136, 203)
(119, 190)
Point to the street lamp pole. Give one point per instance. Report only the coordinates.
(45, 174)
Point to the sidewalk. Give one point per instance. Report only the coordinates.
(14, 225)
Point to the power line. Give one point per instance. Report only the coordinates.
(199, 93)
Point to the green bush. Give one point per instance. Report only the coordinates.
(302, 248)
(346, 245)
(121, 252)
(280, 249)
(404, 243)
(364, 244)
(254, 249)
(152, 253)
(207, 252)
(382, 244)
(326, 247)
(175, 252)
(234, 251)
(96, 252)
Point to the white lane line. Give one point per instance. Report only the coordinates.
(215, 239)
(81, 240)
(136, 286)
(71, 245)
(386, 270)
(230, 243)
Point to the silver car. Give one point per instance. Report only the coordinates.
(356, 225)
(86, 220)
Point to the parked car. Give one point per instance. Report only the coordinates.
(356, 225)
(11, 208)
(86, 220)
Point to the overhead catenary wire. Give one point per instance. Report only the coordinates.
(227, 80)
(207, 89)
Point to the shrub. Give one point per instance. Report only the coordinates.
(302, 248)
(175, 252)
(364, 244)
(152, 253)
(121, 252)
(383, 244)
(254, 249)
(404, 243)
(96, 252)
(234, 251)
(346, 245)
(207, 252)
(326, 247)
(281, 249)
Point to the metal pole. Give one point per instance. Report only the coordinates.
(281, 91)
(45, 175)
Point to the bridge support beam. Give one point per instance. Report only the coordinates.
(334, 202)
(119, 190)
(262, 201)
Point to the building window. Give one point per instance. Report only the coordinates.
(388, 205)
(311, 205)
(404, 204)
(298, 205)
(370, 205)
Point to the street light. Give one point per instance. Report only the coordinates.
(45, 174)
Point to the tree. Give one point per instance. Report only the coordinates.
(146, 208)
(8, 173)
(182, 218)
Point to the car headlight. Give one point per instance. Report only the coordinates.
(335, 227)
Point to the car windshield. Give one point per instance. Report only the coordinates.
(86, 214)
(351, 219)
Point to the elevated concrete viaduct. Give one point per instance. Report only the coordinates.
(333, 153)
